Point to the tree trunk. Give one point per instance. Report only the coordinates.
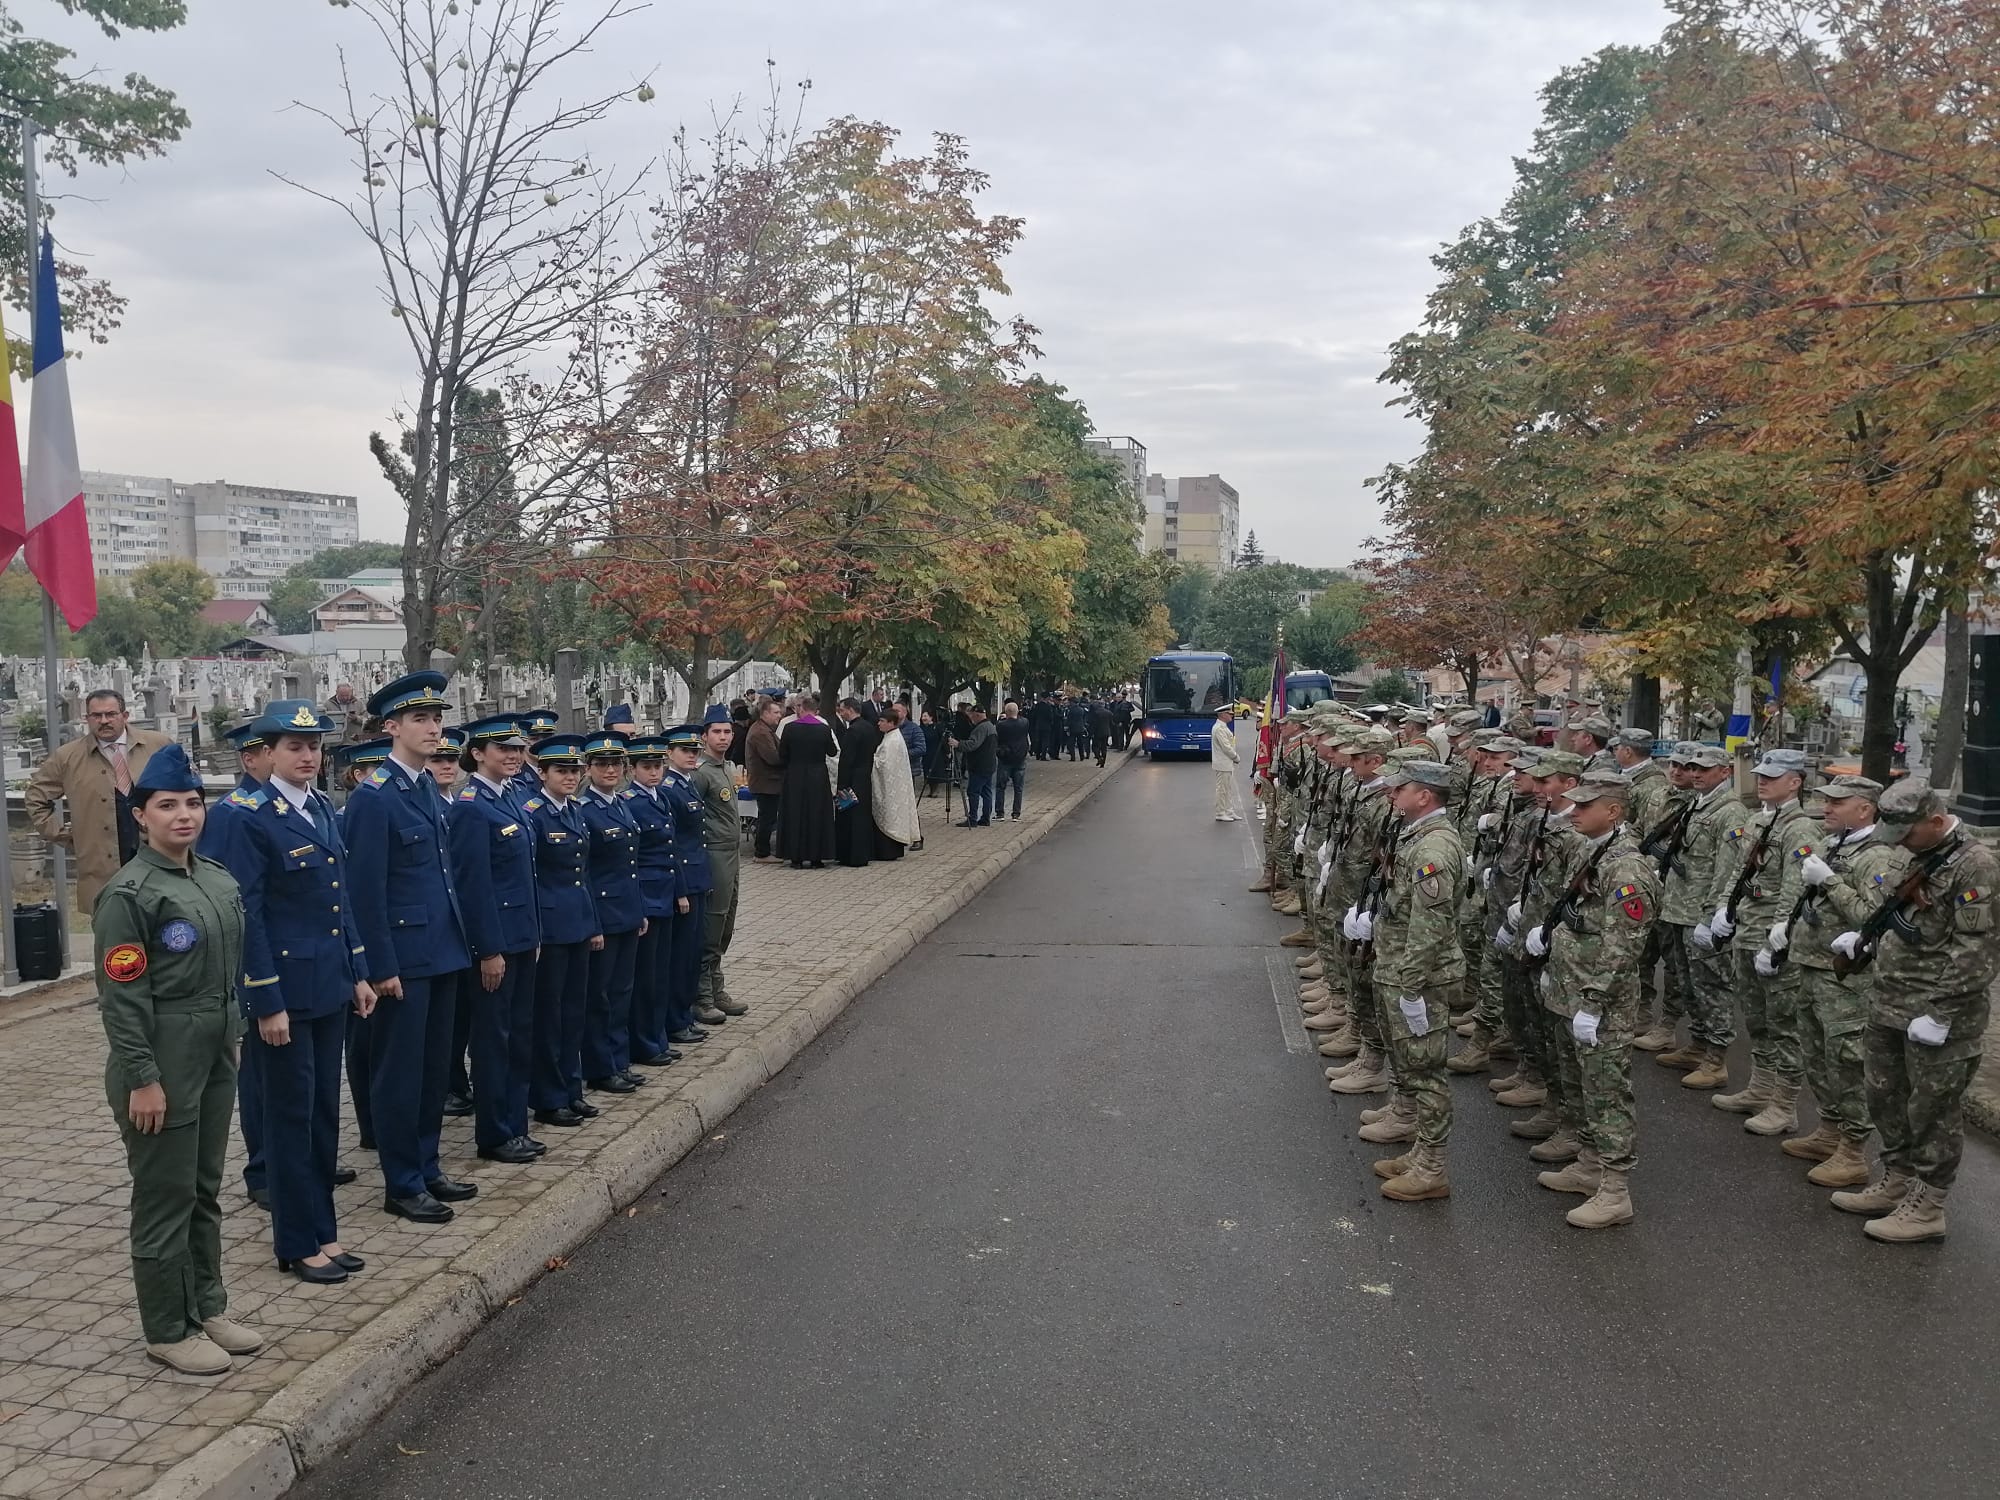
(1950, 741)
(1470, 676)
(831, 665)
(1878, 714)
(1642, 705)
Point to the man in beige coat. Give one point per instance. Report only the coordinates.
(93, 775)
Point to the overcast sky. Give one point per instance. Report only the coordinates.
(1229, 212)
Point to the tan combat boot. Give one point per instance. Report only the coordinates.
(1711, 1070)
(196, 1354)
(1879, 1197)
(1375, 1112)
(1562, 1146)
(1846, 1167)
(1263, 882)
(1423, 1177)
(1655, 1038)
(1580, 1176)
(1369, 1076)
(1342, 1043)
(1505, 1082)
(1920, 1216)
(1503, 1048)
(1299, 939)
(1749, 1099)
(1290, 905)
(1523, 1096)
(1313, 1001)
(1612, 1204)
(1539, 1126)
(1324, 1020)
(1355, 1064)
(1471, 1058)
(1818, 1146)
(1312, 968)
(1780, 1112)
(1679, 1057)
(1394, 1166)
(1398, 1123)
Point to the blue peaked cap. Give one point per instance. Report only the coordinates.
(167, 770)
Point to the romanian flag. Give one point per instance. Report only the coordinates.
(13, 505)
(58, 535)
(1274, 706)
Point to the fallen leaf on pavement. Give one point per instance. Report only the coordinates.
(557, 1262)
(409, 1452)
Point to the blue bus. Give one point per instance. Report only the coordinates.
(1304, 689)
(1182, 693)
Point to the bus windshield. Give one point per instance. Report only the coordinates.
(1180, 685)
(1304, 689)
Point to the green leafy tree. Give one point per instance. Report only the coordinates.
(1323, 638)
(20, 612)
(1392, 687)
(83, 120)
(160, 609)
(345, 562)
(1245, 608)
(291, 602)
(1250, 555)
(1187, 598)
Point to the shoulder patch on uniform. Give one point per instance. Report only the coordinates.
(470, 794)
(124, 962)
(1880, 876)
(1734, 833)
(1971, 894)
(532, 803)
(1427, 871)
(247, 799)
(377, 777)
(1802, 852)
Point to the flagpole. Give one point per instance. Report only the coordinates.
(31, 197)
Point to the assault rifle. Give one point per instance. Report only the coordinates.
(1893, 914)
(1581, 884)
(1379, 880)
(1807, 897)
(1663, 844)
(1752, 863)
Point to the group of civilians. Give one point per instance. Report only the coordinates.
(827, 792)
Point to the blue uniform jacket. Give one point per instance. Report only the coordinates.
(492, 848)
(690, 849)
(614, 862)
(404, 896)
(657, 863)
(562, 871)
(302, 950)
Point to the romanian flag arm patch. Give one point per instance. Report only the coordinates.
(1971, 894)
(1427, 871)
(1803, 852)
(1632, 901)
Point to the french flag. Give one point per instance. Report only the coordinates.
(58, 546)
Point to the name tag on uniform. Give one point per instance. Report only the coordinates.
(306, 849)
(557, 838)
(510, 828)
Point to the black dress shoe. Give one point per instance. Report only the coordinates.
(330, 1274)
(562, 1119)
(674, 1054)
(368, 1143)
(261, 1197)
(342, 1176)
(637, 1080)
(657, 1060)
(687, 1036)
(708, 1015)
(515, 1150)
(534, 1145)
(617, 1083)
(349, 1263)
(584, 1108)
(447, 1191)
(420, 1209)
(456, 1105)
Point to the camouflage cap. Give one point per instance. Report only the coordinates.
(1708, 757)
(1683, 752)
(1467, 719)
(1419, 772)
(1781, 763)
(1528, 762)
(1368, 740)
(1503, 743)
(1839, 787)
(1909, 801)
(1595, 725)
(1482, 739)
(1420, 750)
(1558, 763)
(1601, 784)
(1635, 738)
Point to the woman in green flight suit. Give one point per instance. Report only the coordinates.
(169, 929)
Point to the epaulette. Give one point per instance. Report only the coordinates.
(248, 799)
(377, 777)
(470, 794)
(627, 794)
(532, 803)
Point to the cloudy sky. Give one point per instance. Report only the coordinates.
(1230, 208)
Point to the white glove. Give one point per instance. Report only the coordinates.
(1846, 945)
(1299, 843)
(1763, 963)
(1364, 926)
(1538, 942)
(1486, 879)
(1544, 980)
(1488, 820)
(1514, 915)
(1778, 940)
(1469, 866)
(1347, 925)
(1704, 939)
(1504, 938)
(1583, 1026)
(1720, 925)
(1416, 1014)
(1815, 871)
(1929, 1031)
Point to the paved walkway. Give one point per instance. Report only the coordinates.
(82, 1411)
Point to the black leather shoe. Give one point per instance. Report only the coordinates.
(562, 1119)
(708, 1015)
(637, 1080)
(617, 1083)
(657, 1060)
(368, 1143)
(584, 1108)
(457, 1105)
(330, 1274)
(515, 1150)
(674, 1054)
(421, 1209)
(687, 1036)
(261, 1197)
(342, 1176)
(447, 1191)
(349, 1263)
(534, 1145)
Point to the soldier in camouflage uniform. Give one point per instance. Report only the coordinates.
(1591, 985)
(1325, 780)
(1483, 831)
(1936, 954)
(1716, 822)
(1750, 874)
(1329, 995)
(1556, 1127)
(1367, 1071)
(1590, 741)
(1521, 850)
(1662, 802)
(1833, 889)
(1464, 764)
(1419, 968)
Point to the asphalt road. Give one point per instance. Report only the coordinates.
(1052, 1210)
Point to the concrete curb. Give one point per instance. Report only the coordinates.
(341, 1393)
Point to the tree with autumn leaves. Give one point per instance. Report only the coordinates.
(1726, 369)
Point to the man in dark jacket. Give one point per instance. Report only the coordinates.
(1038, 725)
(1121, 722)
(980, 748)
(1011, 744)
(1100, 728)
(1076, 722)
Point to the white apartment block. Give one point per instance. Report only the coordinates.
(243, 535)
